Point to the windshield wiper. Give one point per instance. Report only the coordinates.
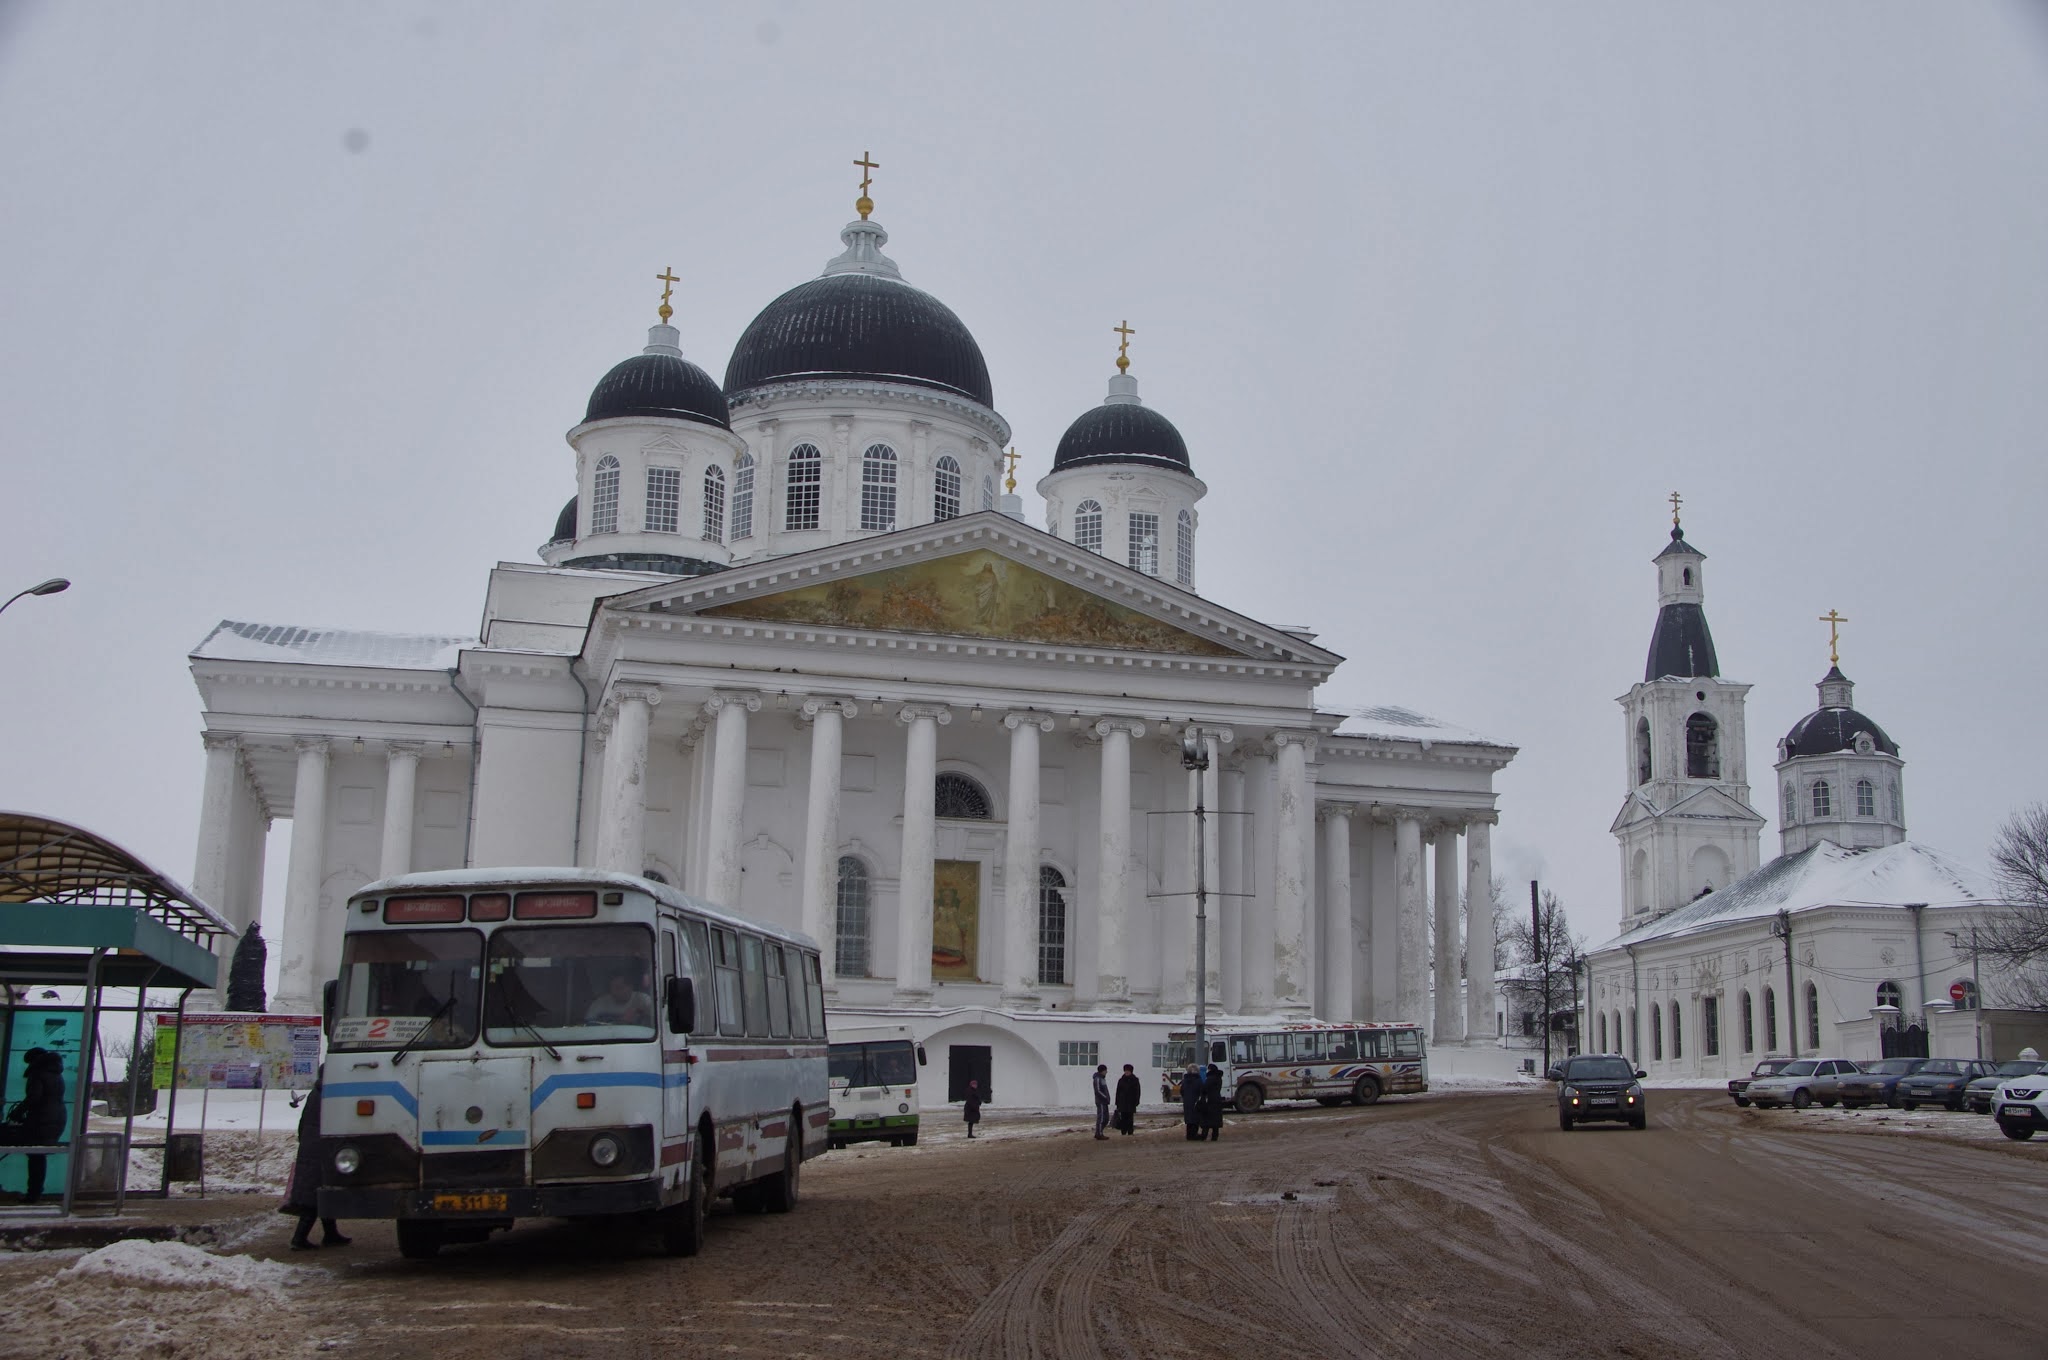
(520, 1022)
(439, 1011)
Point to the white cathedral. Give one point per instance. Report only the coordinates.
(790, 649)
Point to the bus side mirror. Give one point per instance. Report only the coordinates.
(682, 1005)
(328, 991)
(920, 1055)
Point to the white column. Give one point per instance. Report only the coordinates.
(1258, 879)
(1412, 948)
(1293, 809)
(210, 869)
(1113, 862)
(1448, 1024)
(622, 813)
(401, 780)
(1020, 862)
(1230, 875)
(920, 845)
(297, 988)
(728, 795)
(821, 827)
(1479, 930)
(1337, 951)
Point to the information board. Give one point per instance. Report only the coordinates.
(234, 1051)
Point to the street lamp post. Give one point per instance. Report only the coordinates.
(49, 587)
(1194, 756)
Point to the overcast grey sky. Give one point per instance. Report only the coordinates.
(1445, 298)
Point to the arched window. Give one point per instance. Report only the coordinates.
(1184, 555)
(714, 504)
(1969, 991)
(1643, 768)
(1052, 927)
(1866, 799)
(1710, 1026)
(1770, 1020)
(1657, 1033)
(988, 493)
(878, 487)
(1791, 804)
(664, 499)
(604, 497)
(1888, 993)
(1677, 1043)
(1812, 1016)
(743, 497)
(946, 490)
(1088, 526)
(1144, 546)
(1823, 799)
(1600, 1028)
(1702, 747)
(850, 928)
(1620, 1039)
(959, 797)
(1748, 1026)
(800, 502)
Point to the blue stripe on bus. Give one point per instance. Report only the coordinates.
(471, 1137)
(585, 1080)
(349, 1090)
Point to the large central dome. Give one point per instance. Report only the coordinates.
(860, 321)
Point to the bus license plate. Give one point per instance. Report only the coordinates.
(471, 1204)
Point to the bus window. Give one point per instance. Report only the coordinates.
(1273, 1048)
(814, 988)
(1407, 1043)
(1309, 1046)
(1243, 1049)
(731, 1019)
(569, 984)
(1372, 1045)
(756, 986)
(701, 975)
(799, 1022)
(1343, 1046)
(778, 994)
(397, 983)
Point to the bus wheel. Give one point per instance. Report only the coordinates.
(910, 1139)
(778, 1192)
(1250, 1097)
(417, 1240)
(682, 1225)
(1367, 1091)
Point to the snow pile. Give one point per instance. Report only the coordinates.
(177, 1265)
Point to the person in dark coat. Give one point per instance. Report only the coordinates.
(309, 1169)
(1101, 1086)
(40, 1113)
(1190, 1093)
(1211, 1103)
(971, 1111)
(1128, 1092)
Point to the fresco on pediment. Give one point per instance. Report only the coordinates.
(974, 594)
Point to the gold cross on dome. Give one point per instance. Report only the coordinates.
(865, 205)
(1834, 621)
(1123, 346)
(1676, 500)
(1011, 484)
(668, 279)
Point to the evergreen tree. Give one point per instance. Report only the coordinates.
(245, 972)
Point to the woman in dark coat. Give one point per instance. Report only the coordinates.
(971, 1111)
(309, 1168)
(41, 1112)
(1190, 1098)
(1128, 1092)
(1212, 1103)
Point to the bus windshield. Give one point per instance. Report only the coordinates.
(397, 983)
(570, 984)
(891, 1063)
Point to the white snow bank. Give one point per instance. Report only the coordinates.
(178, 1265)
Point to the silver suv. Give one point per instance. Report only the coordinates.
(1801, 1082)
(2022, 1106)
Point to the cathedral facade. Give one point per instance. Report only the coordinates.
(791, 647)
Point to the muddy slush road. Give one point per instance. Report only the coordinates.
(1452, 1225)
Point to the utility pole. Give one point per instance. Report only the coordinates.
(1539, 948)
(1782, 928)
(1194, 756)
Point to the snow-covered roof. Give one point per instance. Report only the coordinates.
(1388, 722)
(232, 641)
(1827, 875)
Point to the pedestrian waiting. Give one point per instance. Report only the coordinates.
(1102, 1098)
(1190, 1093)
(1128, 1092)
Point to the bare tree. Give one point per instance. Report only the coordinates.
(2015, 942)
(1548, 947)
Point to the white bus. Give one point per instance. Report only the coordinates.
(873, 1072)
(565, 1043)
(1330, 1064)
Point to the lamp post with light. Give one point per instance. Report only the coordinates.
(49, 587)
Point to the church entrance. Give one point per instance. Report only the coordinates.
(965, 1063)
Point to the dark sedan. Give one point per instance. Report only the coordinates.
(1940, 1081)
(1877, 1083)
(1981, 1094)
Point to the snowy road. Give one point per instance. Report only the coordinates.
(1454, 1225)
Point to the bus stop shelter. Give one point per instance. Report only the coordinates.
(79, 912)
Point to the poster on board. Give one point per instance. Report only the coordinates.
(233, 1051)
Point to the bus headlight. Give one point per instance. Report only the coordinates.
(604, 1149)
(903, 1108)
(348, 1161)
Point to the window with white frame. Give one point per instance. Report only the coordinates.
(1184, 556)
(851, 923)
(1888, 994)
(946, 489)
(743, 497)
(800, 501)
(1710, 1026)
(664, 499)
(1080, 1052)
(1823, 799)
(604, 497)
(1770, 1019)
(1088, 526)
(714, 504)
(1677, 1035)
(1052, 927)
(878, 487)
(1144, 550)
(988, 493)
(1812, 1016)
(1791, 804)
(1748, 1025)
(1866, 799)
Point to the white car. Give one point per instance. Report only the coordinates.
(2022, 1106)
(1801, 1082)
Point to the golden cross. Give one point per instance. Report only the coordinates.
(1011, 484)
(865, 205)
(668, 281)
(1834, 622)
(1675, 501)
(1123, 346)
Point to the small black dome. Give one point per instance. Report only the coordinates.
(565, 523)
(1121, 432)
(1827, 730)
(860, 326)
(1681, 645)
(663, 385)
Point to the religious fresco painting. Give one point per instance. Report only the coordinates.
(956, 920)
(973, 594)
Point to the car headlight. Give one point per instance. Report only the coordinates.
(348, 1161)
(903, 1107)
(604, 1149)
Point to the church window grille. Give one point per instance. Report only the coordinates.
(1710, 1026)
(1144, 547)
(806, 473)
(1888, 993)
(1866, 799)
(988, 493)
(1657, 1033)
(1184, 545)
(1088, 526)
(1642, 750)
(1823, 799)
(878, 487)
(743, 497)
(664, 499)
(1052, 927)
(1770, 1019)
(714, 504)
(1677, 1043)
(958, 797)
(850, 925)
(1748, 1025)
(1702, 747)
(604, 497)
(1812, 1016)
(946, 490)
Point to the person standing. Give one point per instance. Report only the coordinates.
(1190, 1092)
(1101, 1099)
(1212, 1102)
(1127, 1095)
(40, 1113)
(971, 1110)
(302, 1193)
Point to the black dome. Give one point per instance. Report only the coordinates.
(1121, 432)
(1681, 645)
(565, 523)
(1827, 730)
(662, 385)
(860, 326)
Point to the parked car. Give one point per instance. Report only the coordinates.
(1980, 1095)
(1940, 1081)
(1599, 1086)
(1769, 1067)
(1877, 1083)
(2022, 1107)
(1801, 1082)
